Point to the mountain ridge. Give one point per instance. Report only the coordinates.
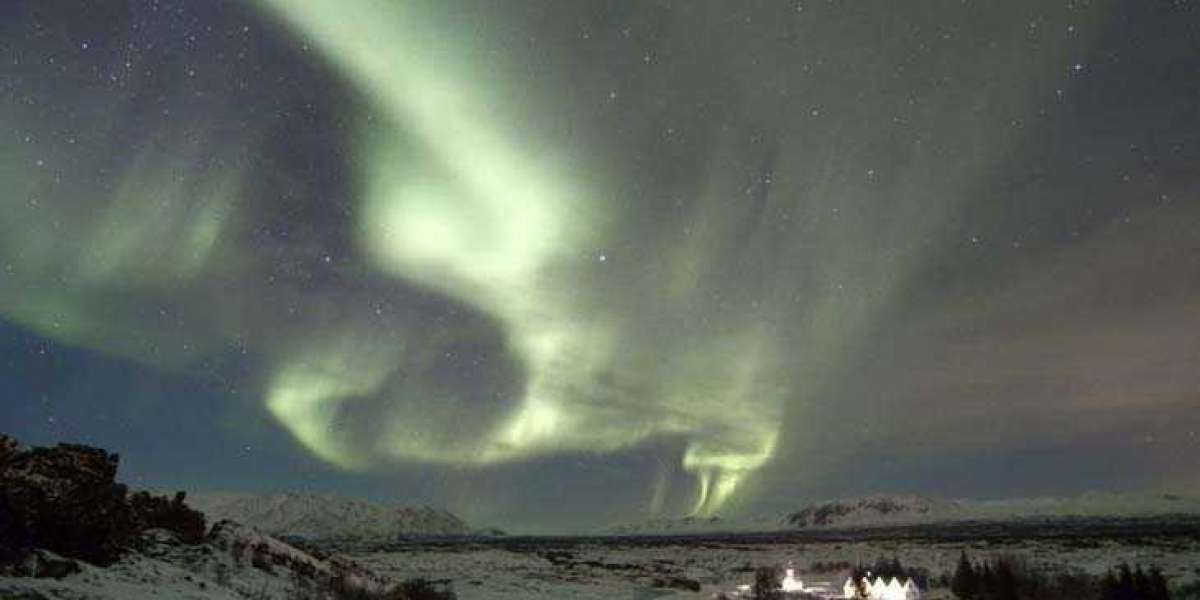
(880, 510)
(328, 516)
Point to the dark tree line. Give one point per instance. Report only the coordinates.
(1134, 584)
(1008, 578)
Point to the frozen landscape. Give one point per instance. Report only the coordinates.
(698, 565)
(87, 538)
(605, 568)
(592, 299)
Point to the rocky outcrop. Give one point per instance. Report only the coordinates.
(250, 546)
(66, 499)
(234, 562)
(8, 448)
(43, 564)
(69, 530)
(172, 515)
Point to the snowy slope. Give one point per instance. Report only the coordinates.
(236, 562)
(327, 517)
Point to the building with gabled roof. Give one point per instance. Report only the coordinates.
(883, 590)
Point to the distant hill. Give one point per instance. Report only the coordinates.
(899, 510)
(887, 510)
(325, 517)
(673, 525)
(874, 510)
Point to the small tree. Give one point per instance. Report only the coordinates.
(1125, 586)
(1110, 588)
(1141, 583)
(1006, 580)
(767, 583)
(965, 583)
(1158, 585)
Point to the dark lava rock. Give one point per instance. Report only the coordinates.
(679, 583)
(156, 512)
(66, 500)
(41, 563)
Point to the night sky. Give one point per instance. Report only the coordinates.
(555, 264)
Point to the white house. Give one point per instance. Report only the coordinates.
(790, 583)
(849, 590)
(884, 590)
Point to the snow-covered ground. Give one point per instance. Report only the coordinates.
(241, 562)
(619, 570)
(237, 562)
(492, 573)
(135, 578)
(571, 568)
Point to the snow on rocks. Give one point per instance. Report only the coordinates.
(235, 562)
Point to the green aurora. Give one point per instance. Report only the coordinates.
(692, 240)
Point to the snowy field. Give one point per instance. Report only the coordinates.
(622, 569)
(240, 562)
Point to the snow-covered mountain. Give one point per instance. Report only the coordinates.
(874, 510)
(324, 517)
(899, 510)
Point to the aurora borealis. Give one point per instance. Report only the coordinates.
(554, 264)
